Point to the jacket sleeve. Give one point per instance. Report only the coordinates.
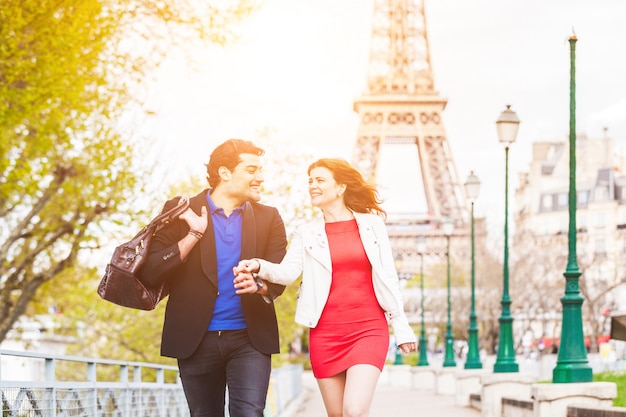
(290, 268)
(275, 250)
(164, 256)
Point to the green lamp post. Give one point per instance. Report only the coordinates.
(447, 228)
(507, 125)
(399, 259)
(422, 359)
(572, 364)
(472, 186)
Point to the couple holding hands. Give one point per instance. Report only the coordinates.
(224, 331)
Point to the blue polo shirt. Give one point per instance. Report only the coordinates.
(227, 314)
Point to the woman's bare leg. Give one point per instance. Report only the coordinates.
(332, 390)
(350, 393)
(359, 390)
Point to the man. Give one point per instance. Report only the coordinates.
(220, 338)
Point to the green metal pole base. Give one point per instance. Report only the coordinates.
(475, 364)
(473, 355)
(423, 352)
(503, 367)
(449, 358)
(572, 364)
(572, 372)
(505, 361)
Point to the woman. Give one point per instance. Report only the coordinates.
(349, 291)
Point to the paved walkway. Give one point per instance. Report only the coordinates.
(388, 401)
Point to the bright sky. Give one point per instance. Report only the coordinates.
(300, 65)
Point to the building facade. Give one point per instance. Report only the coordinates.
(541, 231)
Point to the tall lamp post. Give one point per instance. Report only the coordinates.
(399, 259)
(507, 125)
(472, 186)
(448, 227)
(423, 349)
(572, 364)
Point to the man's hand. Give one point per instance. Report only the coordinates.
(245, 283)
(195, 222)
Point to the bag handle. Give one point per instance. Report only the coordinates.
(163, 219)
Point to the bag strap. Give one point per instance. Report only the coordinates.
(163, 219)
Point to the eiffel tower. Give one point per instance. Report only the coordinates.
(401, 130)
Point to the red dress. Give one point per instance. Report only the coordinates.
(353, 328)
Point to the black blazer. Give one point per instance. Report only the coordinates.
(193, 283)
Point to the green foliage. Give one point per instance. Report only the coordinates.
(64, 168)
(69, 168)
(288, 329)
(98, 328)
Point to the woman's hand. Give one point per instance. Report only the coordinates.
(248, 266)
(245, 282)
(408, 347)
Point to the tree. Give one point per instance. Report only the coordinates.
(536, 284)
(63, 164)
(600, 277)
(539, 283)
(69, 73)
(488, 287)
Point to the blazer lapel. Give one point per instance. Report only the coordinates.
(208, 256)
(248, 232)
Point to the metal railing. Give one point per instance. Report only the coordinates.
(40, 391)
(35, 384)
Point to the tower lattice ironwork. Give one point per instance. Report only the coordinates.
(402, 107)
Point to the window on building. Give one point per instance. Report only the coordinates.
(563, 200)
(600, 220)
(601, 194)
(583, 198)
(546, 202)
(600, 247)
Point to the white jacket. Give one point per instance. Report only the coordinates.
(308, 254)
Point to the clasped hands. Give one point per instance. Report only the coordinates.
(245, 284)
(244, 281)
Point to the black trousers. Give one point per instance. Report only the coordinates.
(226, 358)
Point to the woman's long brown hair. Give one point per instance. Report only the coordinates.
(359, 196)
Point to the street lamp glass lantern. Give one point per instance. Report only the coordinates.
(447, 226)
(507, 125)
(472, 186)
